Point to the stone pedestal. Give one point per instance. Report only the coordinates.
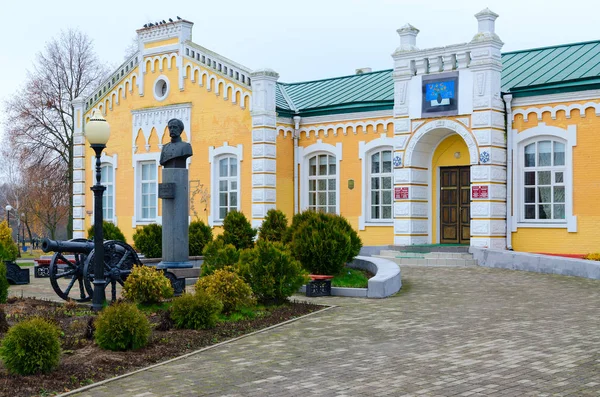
(174, 193)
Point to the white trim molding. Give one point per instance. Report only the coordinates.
(112, 161)
(137, 197)
(213, 156)
(363, 150)
(588, 95)
(304, 153)
(144, 120)
(541, 132)
(554, 109)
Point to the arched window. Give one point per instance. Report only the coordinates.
(322, 177)
(107, 179)
(544, 181)
(380, 185)
(148, 184)
(227, 180)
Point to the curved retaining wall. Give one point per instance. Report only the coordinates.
(386, 281)
(536, 263)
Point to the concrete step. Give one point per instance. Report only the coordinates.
(425, 248)
(440, 259)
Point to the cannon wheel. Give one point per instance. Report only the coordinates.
(72, 270)
(119, 259)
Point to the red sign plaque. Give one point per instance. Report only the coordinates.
(479, 192)
(401, 193)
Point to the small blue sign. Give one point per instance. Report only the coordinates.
(438, 91)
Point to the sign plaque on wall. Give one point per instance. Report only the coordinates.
(440, 95)
(479, 192)
(401, 193)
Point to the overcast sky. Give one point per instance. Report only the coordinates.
(302, 40)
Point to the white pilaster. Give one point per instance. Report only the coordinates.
(78, 170)
(264, 149)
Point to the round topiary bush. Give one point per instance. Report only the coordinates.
(122, 326)
(3, 283)
(274, 226)
(238, 231)
(297, 220)
(271, 271)
(148, 240)
(322, 244)
(200, 235)
(196, 311)
(218, 255)
(31, 346)
(8, 248)
(146, 285)
(110, 231)
(228, 287)
(355, 241)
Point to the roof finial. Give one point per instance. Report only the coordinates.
(408, 38)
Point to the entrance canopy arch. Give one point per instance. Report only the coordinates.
(423, 142)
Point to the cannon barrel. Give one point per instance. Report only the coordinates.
(83, 247)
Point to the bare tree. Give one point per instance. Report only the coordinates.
(40, 118)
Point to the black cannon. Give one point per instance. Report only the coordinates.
(73, 262)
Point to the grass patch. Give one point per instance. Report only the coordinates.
(25, 264)
(352, 278)
(245, 313)
(154, 307)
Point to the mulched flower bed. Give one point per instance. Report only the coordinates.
(83, 362)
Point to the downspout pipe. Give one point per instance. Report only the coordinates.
(295, 137)
(509, 169)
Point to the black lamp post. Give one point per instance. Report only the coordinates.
(8, 208)
(22, 231)
(97, 132)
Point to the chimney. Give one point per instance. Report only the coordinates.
(408, 38)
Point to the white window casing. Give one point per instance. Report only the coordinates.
(109, 163)
(365, 150)
(215, 155)
(304, 155)
(537, 140)
(138, 161)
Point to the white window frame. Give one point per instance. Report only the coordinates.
(106, 160)
(138, 159)
(364, 154)
(304, 154)
(543, 132)
(214, 156)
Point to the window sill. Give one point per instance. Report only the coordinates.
(379, 224)
(542, 225)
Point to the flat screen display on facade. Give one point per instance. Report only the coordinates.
(440, 95)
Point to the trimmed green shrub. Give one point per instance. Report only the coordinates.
(147, 285)
(274, 226)
(271, 271)
(148, 240)
(238, 231)
(355, 241)
(228, 287)
(122, 326)
(30, 347)
(3, 283)
(218, 255)
(196, 311)
(110, 231)
(322, 243)
(297, 220)
(200, 235)
(8, 248)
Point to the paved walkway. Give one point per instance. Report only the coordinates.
(449, 332)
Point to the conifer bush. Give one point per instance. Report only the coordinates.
(110, 231)
(271, 271)
(297, 220)
(31, 346)
(148, 240)
(218, 255)
(8, 248)
(228, 287)
(274, 226)
(238, 231)
(196, 311)
(323, 243)
(122, 326)
(146, 285)
(200, 235)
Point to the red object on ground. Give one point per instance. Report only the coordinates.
(319, 277)
(575, 256)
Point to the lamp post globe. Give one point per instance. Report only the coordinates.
(97, 132)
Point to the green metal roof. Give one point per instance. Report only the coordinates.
(551, 67)
(561, 68)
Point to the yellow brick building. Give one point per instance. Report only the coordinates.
(459, 144)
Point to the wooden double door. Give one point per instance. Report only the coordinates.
(455, 205)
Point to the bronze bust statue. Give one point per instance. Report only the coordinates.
(175, 153)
